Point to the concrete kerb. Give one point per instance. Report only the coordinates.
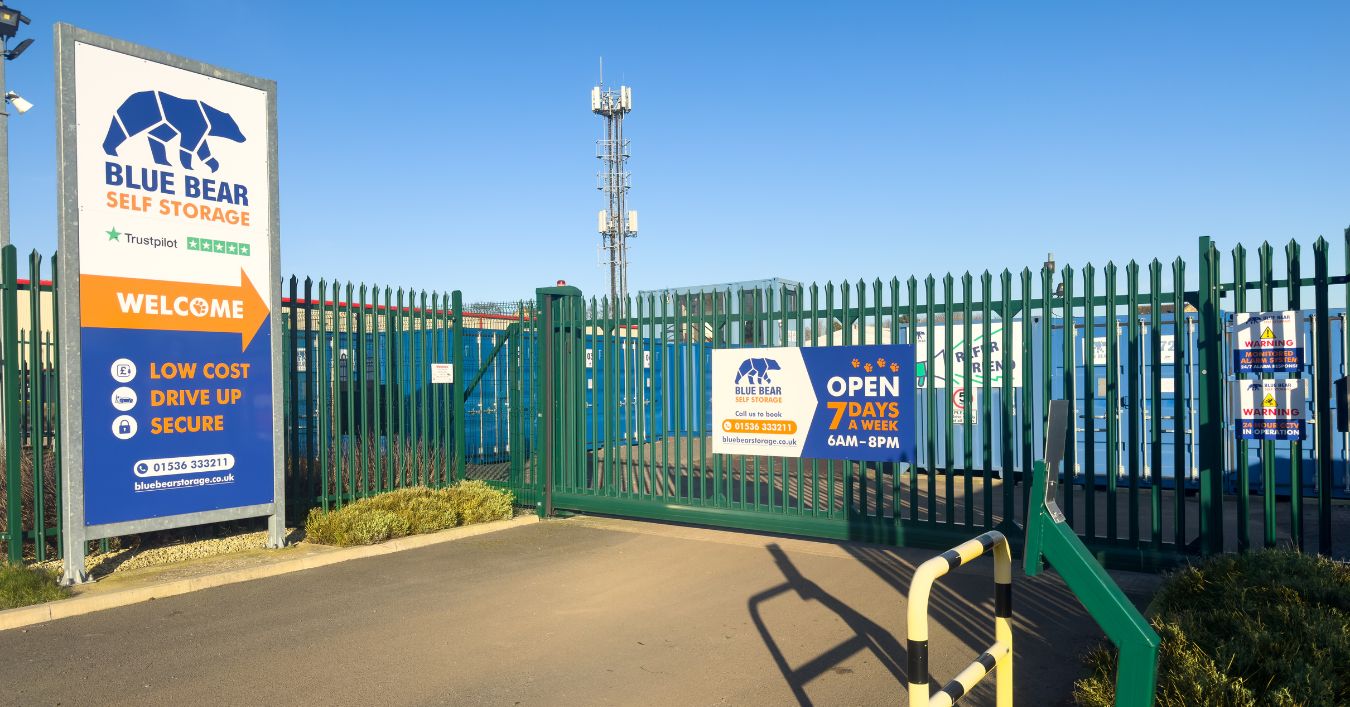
(88, 603)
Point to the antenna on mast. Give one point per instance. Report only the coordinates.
(616, 224)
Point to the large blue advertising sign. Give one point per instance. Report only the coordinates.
(169, 172)
(844, 402)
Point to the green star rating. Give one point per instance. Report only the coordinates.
(209, 245)
(113, 234)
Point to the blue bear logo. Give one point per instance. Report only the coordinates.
(163, 117)
(756, 370)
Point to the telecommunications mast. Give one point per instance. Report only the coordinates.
(616, 224)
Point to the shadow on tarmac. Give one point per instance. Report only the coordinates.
(867, 634)
(1045, 615)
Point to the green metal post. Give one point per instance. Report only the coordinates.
(359, 369)
(1181, 405)
(1134, 408)
(457, 386)
(1028, 388)
(970, 396)
(1007, 394)
(912, 289)
(948, 438)
(1112, 400)
(1209, 345)
(1322, 392)
(12, 405)
(1244, 488)
(56, 395)
(36, 397)
(1155, 402)
(1294, 263)
(986, 393)
(324, 381)
(1266, 278)
(1067, 384)
(930, 396)
(1089, 402)
(390, 390)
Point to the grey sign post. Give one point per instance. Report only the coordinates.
(77, 531)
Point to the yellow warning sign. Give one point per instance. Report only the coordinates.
(1269, 401)
(1267, 334)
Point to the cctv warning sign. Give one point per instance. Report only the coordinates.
(1269, 409)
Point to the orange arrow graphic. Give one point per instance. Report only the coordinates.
(128, 303)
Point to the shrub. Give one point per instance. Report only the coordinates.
(477, 502)
(408, 511)
(423, 509)
(21, 586)
(1266, 628)
(353, 525)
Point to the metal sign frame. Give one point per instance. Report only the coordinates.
(77, 534)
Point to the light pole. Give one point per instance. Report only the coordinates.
(10, 19)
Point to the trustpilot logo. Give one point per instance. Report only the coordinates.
(163, 117)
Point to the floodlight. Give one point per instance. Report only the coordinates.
(16, 51)
(10, 19)
(18, 101)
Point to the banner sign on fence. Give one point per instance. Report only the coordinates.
(1267, 342)
(170, 167)
(846, 402)
(1269, 409)
(986, 355)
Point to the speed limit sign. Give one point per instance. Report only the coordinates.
(963, 405)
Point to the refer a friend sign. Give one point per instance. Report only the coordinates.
(169, 191)
(1267, 342)
(844, 402)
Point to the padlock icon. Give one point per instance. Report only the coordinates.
(124, 427)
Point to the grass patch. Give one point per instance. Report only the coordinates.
(22, 586)
(1265, 628)
(408, 511)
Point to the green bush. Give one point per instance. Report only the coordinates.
(408, 511)
(21, 586)
(353, 525)
(477, 502)
(423, 510)
(1266, 628)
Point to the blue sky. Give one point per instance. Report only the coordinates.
(450, 145)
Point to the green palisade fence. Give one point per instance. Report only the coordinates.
(1153, 474)
(614, 397)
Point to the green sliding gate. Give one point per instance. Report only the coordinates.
(1151, 473)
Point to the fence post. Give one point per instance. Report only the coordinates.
(9, 268)
(1322, 373)
(457, 380)
(1209, 341)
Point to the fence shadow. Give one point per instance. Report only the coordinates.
(868, 635)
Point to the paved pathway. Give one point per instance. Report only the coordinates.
(581, 611)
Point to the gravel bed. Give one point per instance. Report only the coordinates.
(102, 564)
